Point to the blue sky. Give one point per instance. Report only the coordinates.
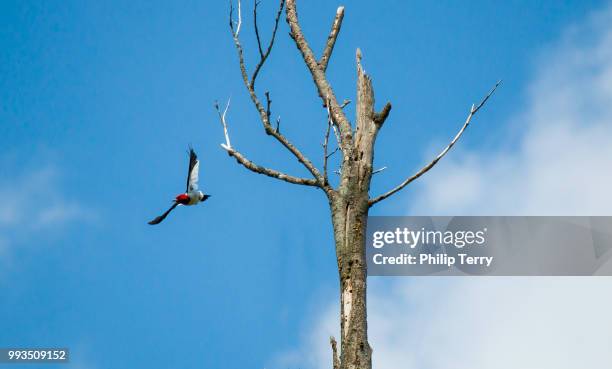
(99, 103)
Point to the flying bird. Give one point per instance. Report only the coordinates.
(192, 195)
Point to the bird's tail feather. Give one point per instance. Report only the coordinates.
(160, 218)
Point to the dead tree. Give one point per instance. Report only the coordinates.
(350, 200)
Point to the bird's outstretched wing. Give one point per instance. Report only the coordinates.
(164, 215)
(194, 169)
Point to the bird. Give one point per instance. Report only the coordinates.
(191, 196)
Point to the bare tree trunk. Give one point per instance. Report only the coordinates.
(349, 215)
(350, 201)
(349, 207)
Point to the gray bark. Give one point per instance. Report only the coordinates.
(349, 208)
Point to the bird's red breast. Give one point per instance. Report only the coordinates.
(182, 199)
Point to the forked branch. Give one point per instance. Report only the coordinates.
(263, 56)
(250, 164)
(222, 118)
(318, 75)
(425, 169)
(249, 83)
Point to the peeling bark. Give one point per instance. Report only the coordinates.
(349, 208)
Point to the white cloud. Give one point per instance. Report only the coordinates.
(476, 323)
(561, 165)
(59, 213)
(315, 351)
(495, 323)
(32, 204)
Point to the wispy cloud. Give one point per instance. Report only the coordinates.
(564, 154)
(32, 204)
(561, 165)
(476, 323)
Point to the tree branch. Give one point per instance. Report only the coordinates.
(235, 32)
(251, 165)
(331, 39)
(379, 170)
(264, 56)
(425, 169)
(269, 172)
(223, 121)
(336, 359)
(268, 105)
(326, 156)
(330, 121)
(297, 153)
(318, 75)
(261, 53)
(379, 118)
(264, 113)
